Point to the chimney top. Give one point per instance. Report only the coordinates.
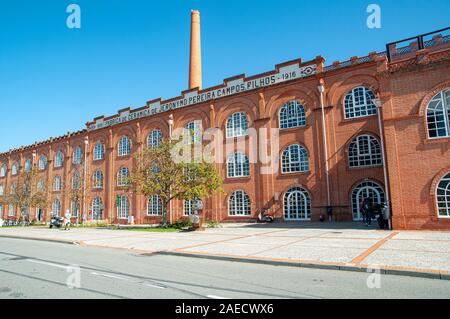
(195, 63)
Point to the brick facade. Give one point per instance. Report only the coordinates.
(415, 163)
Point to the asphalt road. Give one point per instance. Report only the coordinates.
(35, 269)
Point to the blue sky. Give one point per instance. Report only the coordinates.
(54, 79)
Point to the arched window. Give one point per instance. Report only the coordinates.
(12, 211)
(42, 163)
(190, 206)
(367, 189)
(97, 208)
(124, 146)
(237, 125)
(75, 208)
(359, 103)
(99, 152)
(40, 185)
(238, 165)
(13, 188)
(28, 165)
(297, 204)
(239, 204)
(98, 179)
(3, 170)
(154, 207)
(56, 207)
(292, 114)
(2, 191)
(294, 159)
(438, 115)
(194, 129)
(154, 139)
(122, 177)
(443, 197)
(15, 169)
(123, 207)
(59, 159)
(76, 181)
(57, 184)
(77, 155)
(363, 151)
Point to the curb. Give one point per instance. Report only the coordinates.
(384, 270)
(59, 241)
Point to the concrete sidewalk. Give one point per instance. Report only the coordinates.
(338, 246)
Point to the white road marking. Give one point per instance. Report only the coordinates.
(48, 264)
(125, 279)
(216, 297)
(154, 286)
(109, 276)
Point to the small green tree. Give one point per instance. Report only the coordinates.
(157, 172)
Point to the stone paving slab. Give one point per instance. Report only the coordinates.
(335, 244)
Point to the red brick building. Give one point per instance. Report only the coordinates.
(333, 123)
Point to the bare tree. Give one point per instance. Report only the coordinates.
(26, 192)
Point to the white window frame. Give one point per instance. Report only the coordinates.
(42, 163)
(241, 202)
(292, 115)
(441, 103)
(289, 160)
(356, 155)
(57, 183)
(154, 206)
(124, 147)
(124, 207)
(351, 106)
(28, 165)
(237, 125)
(97, 208)
(365, 185)
(194, 128)
(98, 180)
(238, 165)
(302, 209)
(122, 177)
(15, 169)
(76, 181)
(3, 170)
(77, 155)
(11, 211)
(189, 206)
(56, 207)
(442, 204)
(99, 152)
(154, 139)
(59, 159)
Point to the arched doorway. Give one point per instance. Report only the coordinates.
(366, 189)
(297, 205)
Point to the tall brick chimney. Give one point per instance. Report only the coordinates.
(195, 63)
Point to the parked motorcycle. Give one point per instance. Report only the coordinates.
(57, 222)
(378, 211)
(265, 217)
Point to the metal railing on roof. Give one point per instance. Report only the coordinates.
(399, 49)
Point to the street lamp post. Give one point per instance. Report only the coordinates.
(321, 89)
(379, 105)
(86, 144)
(170, 122)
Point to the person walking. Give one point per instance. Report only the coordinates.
(366, 210)
(67, 220)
